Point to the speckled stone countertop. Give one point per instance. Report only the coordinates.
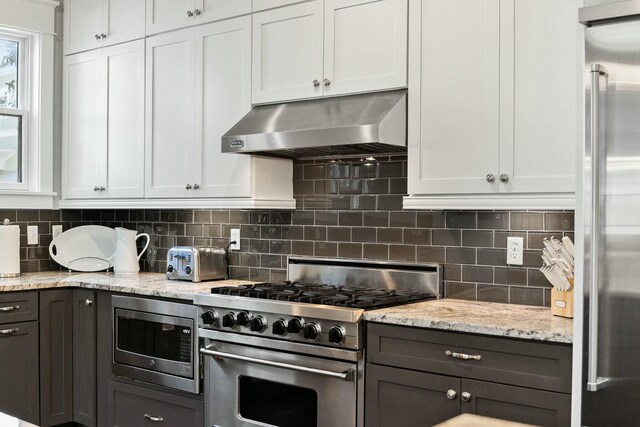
(505, 320)
(150, 284)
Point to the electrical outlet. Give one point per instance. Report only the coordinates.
(32, 235)
(56, 230)
(514, 250)
(235, 237)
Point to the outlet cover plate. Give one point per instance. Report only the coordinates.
(515, 248)
(32, 235)
(56, 230)
(234, 237)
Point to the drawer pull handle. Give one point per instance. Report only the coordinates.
(10, 308)
(462, 356)
(154, 419)
(9, 331)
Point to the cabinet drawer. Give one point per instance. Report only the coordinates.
(525, 363)
(18, 307)
(132, 406)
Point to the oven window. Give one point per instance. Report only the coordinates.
(277, 404)
(161, 340)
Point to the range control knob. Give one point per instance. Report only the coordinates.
(311, 332)
(209, 317)
(278, 327)
(336, 334)
(170, 268)
(243, 318)
(295, 325)
(229, 320)
(188, 270)
(258, 324)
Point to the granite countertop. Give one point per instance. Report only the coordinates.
(149, 284)
(506, 320)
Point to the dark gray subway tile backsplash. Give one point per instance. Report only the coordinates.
(346, 209)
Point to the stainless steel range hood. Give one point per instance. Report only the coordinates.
(350, 125)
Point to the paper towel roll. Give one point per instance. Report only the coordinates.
(9, 250)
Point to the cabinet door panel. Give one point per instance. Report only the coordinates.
(123, 20)
(215, 10)
(538, 151)
(166, 15)
(125, 120)
(170, 113)
(459, 107)
(400, 397)
(84, 122)
(19, 371)
(82, 21)
(365, 45)
(285, 66)
(223, 88)
(84, 357)
(517, 404)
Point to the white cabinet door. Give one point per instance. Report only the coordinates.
(287, 53)
(166, 15)
(123, 20)
(83, 127)
(365, 45)
(125, 120)
(82, 25)
(223, 96)
(543, 95)
(458, 141)
(169, 131)
(215, 10)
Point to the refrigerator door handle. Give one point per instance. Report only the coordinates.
(593, 381)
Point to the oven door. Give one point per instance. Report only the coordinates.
(248, 386)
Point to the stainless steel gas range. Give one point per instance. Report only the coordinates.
(291, 353)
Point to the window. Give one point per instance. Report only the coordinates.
(14, 109)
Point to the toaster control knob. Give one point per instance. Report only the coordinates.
(258, 324)
(295, 325)
(170, 268)
(209, 317)
(311, 332)
(188, 270)
(278, 327)
(243, 318)
(229, 320)
(336, 334)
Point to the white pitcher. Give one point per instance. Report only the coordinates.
(126, 257)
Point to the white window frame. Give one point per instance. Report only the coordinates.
(25, 83)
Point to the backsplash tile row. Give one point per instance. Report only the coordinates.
(349, 209)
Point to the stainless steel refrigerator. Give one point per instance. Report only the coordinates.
(610, 386)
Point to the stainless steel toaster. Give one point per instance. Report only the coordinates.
(196, 264)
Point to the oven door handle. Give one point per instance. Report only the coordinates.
(347, 375)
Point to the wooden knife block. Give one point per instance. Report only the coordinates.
(562, 302)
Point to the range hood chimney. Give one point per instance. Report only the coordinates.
(371, 123)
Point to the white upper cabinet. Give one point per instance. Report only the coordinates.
(166, 15)
(89, 24)
(103, 123)
(339, 47)
(365, 45)
(496, 119)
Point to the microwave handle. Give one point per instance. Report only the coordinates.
(345, 375)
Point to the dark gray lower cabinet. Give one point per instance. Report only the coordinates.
(19, 370)
(133, 406)
(84, 357)
(56, 357)
(412, 378)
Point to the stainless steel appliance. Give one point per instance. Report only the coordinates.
(156, 342)
(291, 353)
(196, 263)
(610, 386)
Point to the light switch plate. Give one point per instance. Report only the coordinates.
(234, 237)
(56, 230)
(32, 235)
(515, 250)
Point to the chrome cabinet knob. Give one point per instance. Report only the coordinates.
(490, 177)
(189, 14)
(197, 12)
(196, 186)
(88, 302)
(465, 396)
(504, 178)
(103, 36)
(451, 394)
(188, 187)
(316, 83)
(97, 36)
(327, 82)
(96, 188)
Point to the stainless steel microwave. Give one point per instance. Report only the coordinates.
(156, 342)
